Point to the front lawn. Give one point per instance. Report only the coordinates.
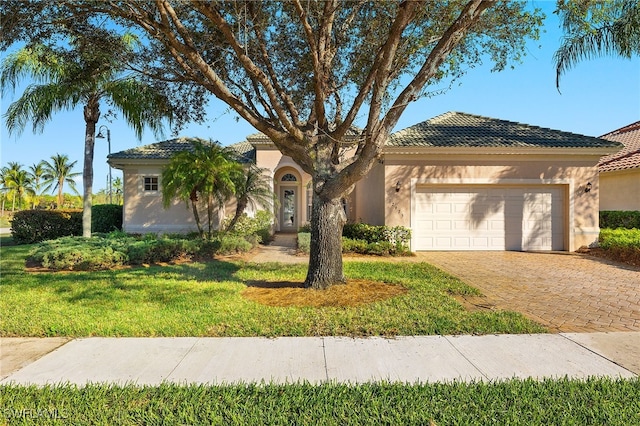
(516, 402)
(206, 299)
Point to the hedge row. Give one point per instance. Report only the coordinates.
(622, 244)
(34, 226)
(366, 239)
(620, 219)
(116, 249)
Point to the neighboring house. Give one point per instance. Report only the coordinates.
(620, 172)
(459, 181)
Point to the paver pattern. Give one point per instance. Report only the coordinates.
(565, 292)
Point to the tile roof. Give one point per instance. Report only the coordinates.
(165, 149)
(629, 156)
(456, 129)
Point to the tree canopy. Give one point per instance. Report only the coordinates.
(597, 28)
(307, 73)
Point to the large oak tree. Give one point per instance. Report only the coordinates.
(306, 72)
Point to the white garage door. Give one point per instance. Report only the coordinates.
(489, 217)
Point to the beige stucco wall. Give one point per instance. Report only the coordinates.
(620, 190)
(144, 212)
(573, 173)
(369, 196)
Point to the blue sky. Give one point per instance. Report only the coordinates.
(598, 96)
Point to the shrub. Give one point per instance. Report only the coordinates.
(79, 254)
(230, 244)
(156, 250)
(106, 218)
(620, 219)
(354, 246)
(304, 242)
(380, 239)
(259, 225)
(33, 226)
(621, 244)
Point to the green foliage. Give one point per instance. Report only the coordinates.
(32, 226)
(79, 254)
(304, 242)
(230, 244)
(106, 218)
(259, 225)
(362, 238)
(620, 238)
(380, 239)
(590, 401)
(620, 219)
(106, 251)
(621, 244)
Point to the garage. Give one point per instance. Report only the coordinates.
(489, 217)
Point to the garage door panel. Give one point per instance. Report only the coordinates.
(489, 218)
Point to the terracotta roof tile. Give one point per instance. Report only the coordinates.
(629, 156)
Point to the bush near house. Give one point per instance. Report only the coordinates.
(362, 238)
(621, 244)
(246, 226)
(620, 219)
(33, 226)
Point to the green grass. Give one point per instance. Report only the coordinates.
(204, 299)
(516, 402)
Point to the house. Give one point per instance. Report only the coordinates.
(459, 181)
(620, 172)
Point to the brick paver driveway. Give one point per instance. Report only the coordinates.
(565, 292)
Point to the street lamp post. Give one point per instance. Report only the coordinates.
(101, 136)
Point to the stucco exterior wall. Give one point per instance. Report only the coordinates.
(369, 196)
(620, 190)
(143, 211)
(571, 172)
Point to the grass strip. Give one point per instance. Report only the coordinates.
(594, 401)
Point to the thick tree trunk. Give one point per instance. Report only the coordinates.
(325, 261)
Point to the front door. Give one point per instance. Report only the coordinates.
(289, 214)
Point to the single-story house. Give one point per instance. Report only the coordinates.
(620, 172)
(459, 181)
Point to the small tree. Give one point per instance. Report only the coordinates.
(87, 75)
(251, 187)
(205, 172)
(58, 172)
(37, 171)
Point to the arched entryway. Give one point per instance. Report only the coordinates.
(288, 183)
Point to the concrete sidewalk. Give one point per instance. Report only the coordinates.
(151, 361)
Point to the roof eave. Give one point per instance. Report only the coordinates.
(600, 151)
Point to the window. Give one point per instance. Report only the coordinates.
(150, 183)
(289, 178)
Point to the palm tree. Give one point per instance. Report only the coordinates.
(17, 183)
(595, 29)
(206, 171)
(117, 189)
(251, 187)
(57, 173)
(87, 75)
(37, 171)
